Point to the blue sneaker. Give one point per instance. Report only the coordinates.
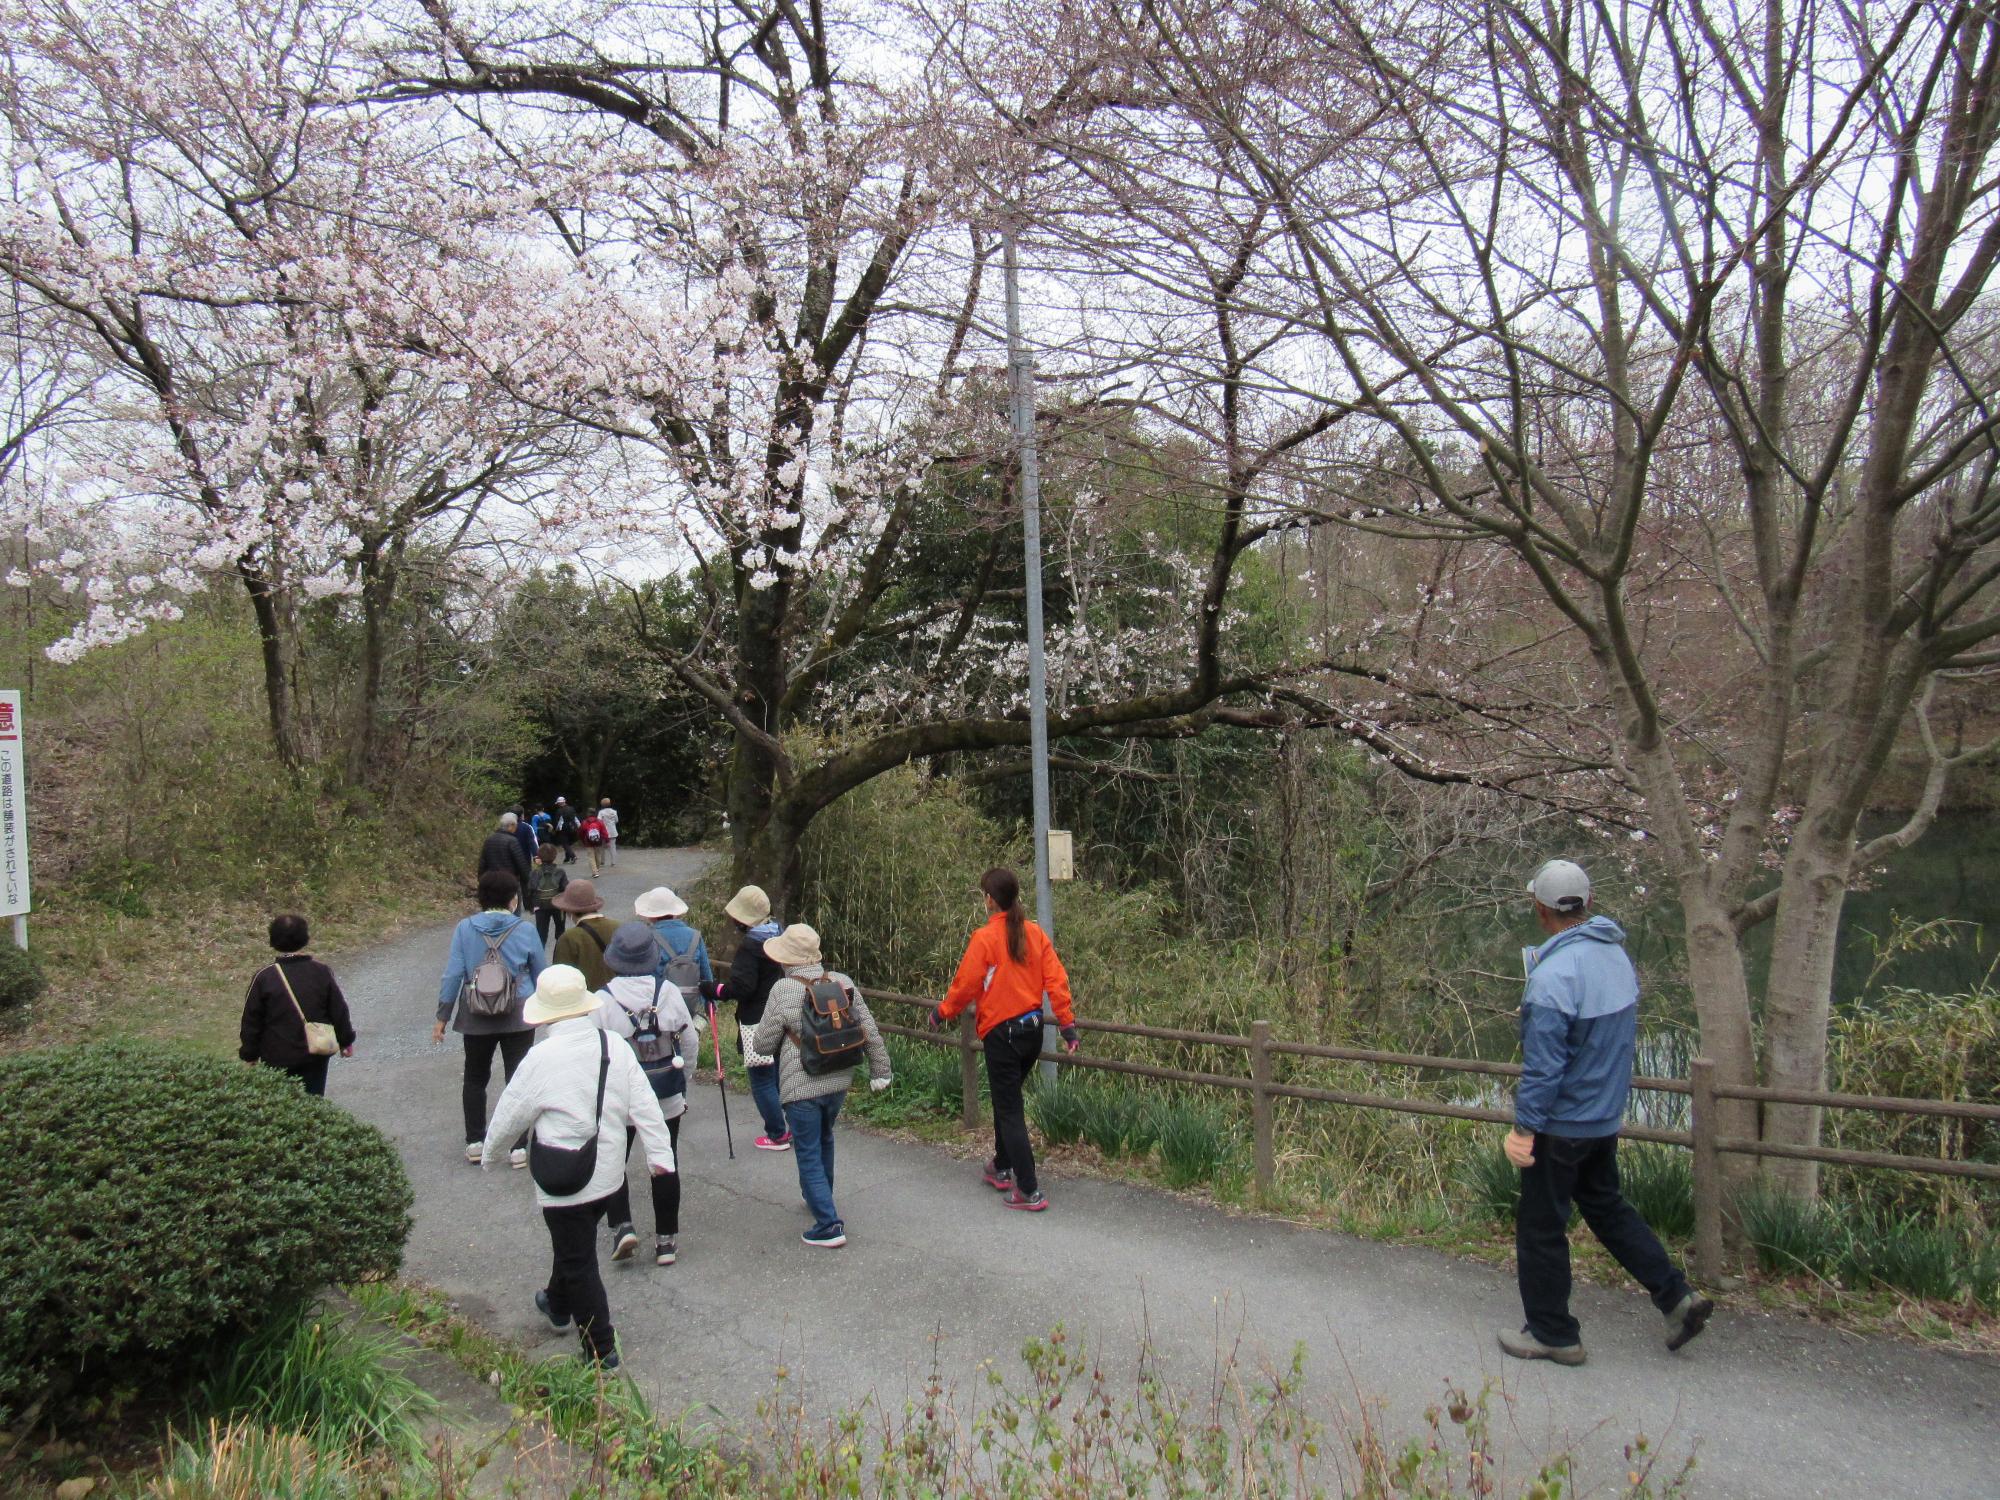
(831, 1238)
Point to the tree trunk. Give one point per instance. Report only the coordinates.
(1798, 998)
(768, 856)
(378, 592)
(277, 665)
(1722, 1009)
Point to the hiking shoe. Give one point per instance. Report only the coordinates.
(775, 1143)
(542, 1307)
(664, 1251)
(994, 1178)
(624, 1242)
(518, 1157)
(1689, 1317)
(1028, 1203)
(474, 1150)
(1524, 1345)
(826, 1239)
(607, 1364)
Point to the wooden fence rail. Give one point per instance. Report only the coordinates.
(1259, 1081)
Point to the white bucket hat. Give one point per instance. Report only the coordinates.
(659, 902)
(797, 944)
(561, 993)
(749, 905)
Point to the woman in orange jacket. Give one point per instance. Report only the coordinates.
(1008, 966)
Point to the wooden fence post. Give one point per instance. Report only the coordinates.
(968, 1069)
(1707, 1168)
(1265, 1153)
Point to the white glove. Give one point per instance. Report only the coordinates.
(878, 1084)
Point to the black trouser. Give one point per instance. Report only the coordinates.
(576, 1288)
(1012, 1049)
(568, 842)
(666, 1190)
(1582, 1170)
(544, 916)
(311, 1073)
(479, 1050)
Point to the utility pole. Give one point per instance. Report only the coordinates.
(1021, 386)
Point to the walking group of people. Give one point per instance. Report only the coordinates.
(623, 1006)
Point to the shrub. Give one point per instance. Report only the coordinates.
(1193, 1138)
(1057, 1108)
(1659, 1182)
(335, 1384)
(21, 977)
(153, 1201)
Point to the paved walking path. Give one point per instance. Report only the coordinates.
(1771, 1406)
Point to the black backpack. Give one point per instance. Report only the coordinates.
(830, 1031)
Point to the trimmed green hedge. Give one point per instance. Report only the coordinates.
(154, 1201)
(21, 977)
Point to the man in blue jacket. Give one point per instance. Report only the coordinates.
(1579, 1021)
(512, 939)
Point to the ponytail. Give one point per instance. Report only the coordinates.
(1004, 886)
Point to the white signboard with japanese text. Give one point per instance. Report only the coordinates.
(13, 811)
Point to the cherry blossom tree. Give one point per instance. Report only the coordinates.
(205, 214)
(1683, 317)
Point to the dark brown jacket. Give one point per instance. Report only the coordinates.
(272, 1032)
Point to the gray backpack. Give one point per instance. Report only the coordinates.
(488, 991)
(683, 969)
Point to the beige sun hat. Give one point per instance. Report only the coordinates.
(561, 993)
(659, 902)
(749, 905)
(797, 944)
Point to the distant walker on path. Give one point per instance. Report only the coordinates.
(503, 850)
(608, 816)
(488, 975)
(1579, 1023)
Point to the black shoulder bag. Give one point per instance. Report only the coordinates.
(561, 1171)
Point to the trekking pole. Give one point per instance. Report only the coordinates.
(716, 1032)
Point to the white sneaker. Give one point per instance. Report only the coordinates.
(518, 1157)
(473, 1150)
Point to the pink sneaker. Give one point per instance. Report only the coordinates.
(782, 1143)
(1029, 1203)
(993, 1177)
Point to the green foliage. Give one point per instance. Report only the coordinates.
(1111, 1113)
(1659, 1182)
(1194, 1140)
(1058, 1108)
(21, 978)
(339, 1386)
(1789, 1235)
(1922, 1259)
(153, 1201)
(243, 1461)
(1490, 1183)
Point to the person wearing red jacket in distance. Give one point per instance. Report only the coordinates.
(1008, 966)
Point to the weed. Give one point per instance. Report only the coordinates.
(1491, 1183)
(1790, 1235)
(1905, 1253)
(1057, 1107)
(1109, 1115)
(334, 1384)
(1659, 1182)
(1194, 1141)
(245, 1461)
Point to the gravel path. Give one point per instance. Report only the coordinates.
(936, 1273)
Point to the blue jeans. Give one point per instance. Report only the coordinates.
(811, 1122)
(764, 1094)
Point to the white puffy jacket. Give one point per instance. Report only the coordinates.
(553, 1093)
